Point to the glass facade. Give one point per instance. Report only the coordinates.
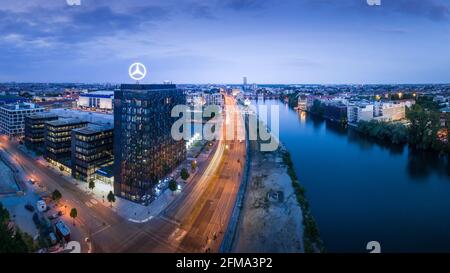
(144, 150)
(92, 149)
(58, 139)
(34, 129)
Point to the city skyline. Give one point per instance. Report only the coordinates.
(294, 42)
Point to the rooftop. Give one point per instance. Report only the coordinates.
(147, 86)
(42, 115)
(99, 94)
(99, 118)
(94, 129)
(67, 121)
(20, 106)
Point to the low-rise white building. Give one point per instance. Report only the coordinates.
(302, 103)
(201, 99)
(12, 117)
(98, 100)
(214, 99)
(358, 112)
(389, 111)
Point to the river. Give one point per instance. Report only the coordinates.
(360, 190)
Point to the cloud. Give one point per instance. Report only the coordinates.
(77, 25)
(393, 30)
(435, 10)
(239, 5)
(200, 11)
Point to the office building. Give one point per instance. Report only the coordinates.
(92, 149)
(144, 149)
(98, 100)
(12, 117)
(34, 129)
(58, 139)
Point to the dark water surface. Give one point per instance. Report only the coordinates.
(360, 190)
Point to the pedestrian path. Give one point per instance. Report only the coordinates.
(133, 212)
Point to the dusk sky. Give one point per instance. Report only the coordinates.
(220, 41)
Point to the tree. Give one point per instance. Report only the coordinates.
(166, 168)
(111, 198)
(73, 214)
(193, 165)
(4, 214)
(317, 108)
(424, 125)
(173, 185)
(56, 196)
(184, 174)
(12, 239)
(92, 185)
(395, 133)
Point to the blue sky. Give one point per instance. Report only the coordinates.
(220, 41)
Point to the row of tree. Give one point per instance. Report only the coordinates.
(395, 133)
(318, 108)
(425, 130)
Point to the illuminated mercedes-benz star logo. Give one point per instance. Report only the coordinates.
(137, 71)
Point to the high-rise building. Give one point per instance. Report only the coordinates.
(34, 129)
(144, 149)
(12, 117)
(245, 81)
(58, 141)
(92, 149)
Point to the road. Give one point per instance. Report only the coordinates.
(92, 219)
(194, 222)
(197, 220)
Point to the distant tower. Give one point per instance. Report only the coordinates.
(244, 87)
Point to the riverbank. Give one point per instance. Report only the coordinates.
(7, 182)
(311, 237)
(273, 218)
(10, 180)
(346, 175)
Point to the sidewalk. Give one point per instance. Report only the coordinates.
(129, 210)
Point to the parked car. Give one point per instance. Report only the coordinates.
(55, 215)
(62, 231)
(29, 207)
(36, 220)
(53, 238)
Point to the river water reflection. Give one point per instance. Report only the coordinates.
(360, 190)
